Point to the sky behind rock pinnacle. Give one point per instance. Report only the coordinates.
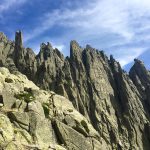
(118, 27)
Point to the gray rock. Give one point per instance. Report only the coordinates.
(71, 138)
(21, 118)
(114, 103)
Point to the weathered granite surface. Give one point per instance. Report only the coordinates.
(35, 119)
(116, 105)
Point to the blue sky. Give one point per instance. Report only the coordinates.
(119, 27)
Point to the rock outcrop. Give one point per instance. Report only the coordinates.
(115, 105)
(31, 118)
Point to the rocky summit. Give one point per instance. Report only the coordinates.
(82, 102)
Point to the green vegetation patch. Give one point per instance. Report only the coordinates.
(27, 97)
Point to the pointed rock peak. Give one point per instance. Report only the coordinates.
(18, 39)
(112, 58)
(49, 45)
(139, 74)
(74, 42)
(104, 56)
(115, 65)
(138, 62)
(59, 54)
(45, 50)
(88, 46)
(3, 36)
(75, 49)
(46, 46)
(138, 68)
(74, 45)
(42, 45)
(1, 33)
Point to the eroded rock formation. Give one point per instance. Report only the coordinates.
(115, 104)
(31, 118)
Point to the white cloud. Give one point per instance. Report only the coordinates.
(121, 18)
(7, 4)
(128, 56)
(110, 15)
(60, 47)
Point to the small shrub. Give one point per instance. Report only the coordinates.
(27, 97)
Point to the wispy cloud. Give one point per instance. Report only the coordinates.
(120, 19)
(7, 4)
(93, 19)
(124, 56)
(60, 47)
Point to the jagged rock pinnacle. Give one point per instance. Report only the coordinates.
(137, 61)
(3, 37)
(45, 50)
(75, 50)
(112, 58)
(88, 46)
(18, 39)
(140, 75)
(46, 46)
(74, 44)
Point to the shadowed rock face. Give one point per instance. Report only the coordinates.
(115, 103)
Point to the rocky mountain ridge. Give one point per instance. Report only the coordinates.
(114, 103)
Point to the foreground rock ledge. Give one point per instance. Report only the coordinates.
(31, 118)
